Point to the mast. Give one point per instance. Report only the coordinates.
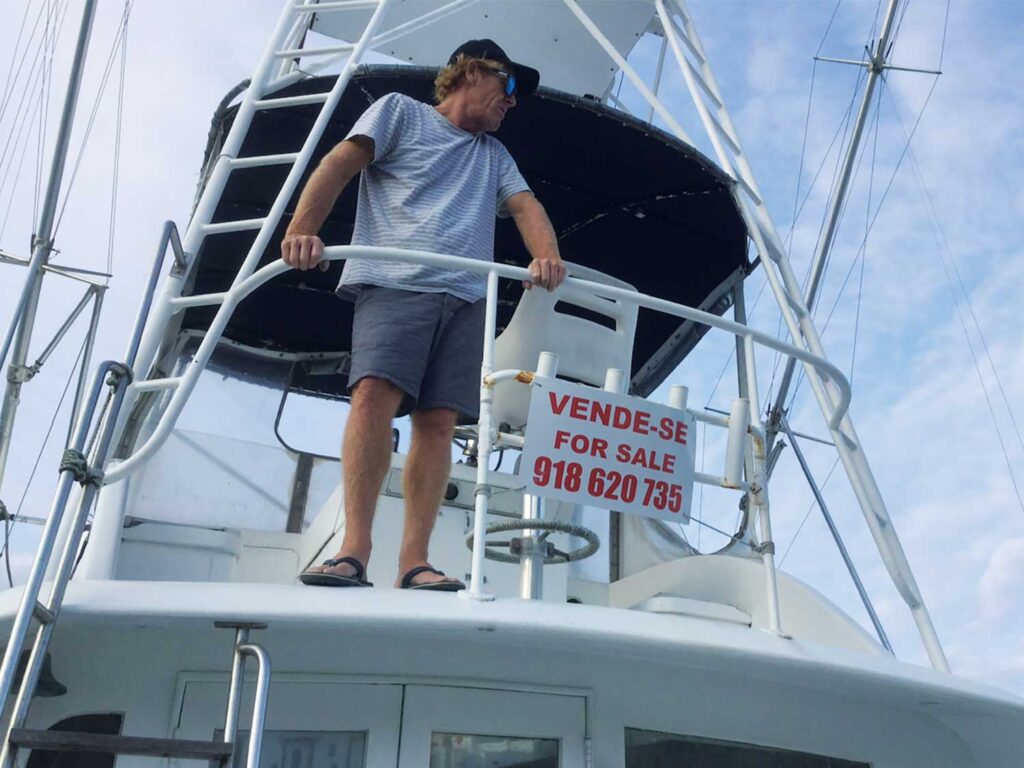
(876, 64)
(20, 333)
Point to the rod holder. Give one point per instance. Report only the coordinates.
(615, 381)
(678, 396)
(735, 449)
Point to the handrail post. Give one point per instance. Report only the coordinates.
(242, 648)
(482, 493)
(119, 379)
(531, 558)
(758, 493)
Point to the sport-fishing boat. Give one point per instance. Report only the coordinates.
(591, 631)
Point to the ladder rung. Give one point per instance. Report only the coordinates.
(41, 612)
(199, 300)
(260, 161)
(291, 101)
(239, 225)
(156, 385)
(336, 5)
(293, 53)
(749, 190)
(71, 741)
(699, 77)
(733, 144)
(681, 32)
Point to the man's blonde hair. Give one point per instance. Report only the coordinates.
(452, 76)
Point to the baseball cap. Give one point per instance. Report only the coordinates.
(527, 78)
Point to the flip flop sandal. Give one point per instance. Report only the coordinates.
(450, 585)
(315, 578)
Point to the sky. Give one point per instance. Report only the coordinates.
(922, 310)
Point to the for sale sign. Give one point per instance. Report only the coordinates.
(608, 450)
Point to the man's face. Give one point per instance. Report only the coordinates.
(488, 96)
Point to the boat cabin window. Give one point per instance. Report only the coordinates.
(652, 749)
(296, 749)
(460, 750)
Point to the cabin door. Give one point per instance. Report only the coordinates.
(309, 724)
(448, 727)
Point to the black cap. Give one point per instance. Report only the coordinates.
(527, 78)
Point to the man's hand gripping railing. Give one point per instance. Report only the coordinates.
(334, 253)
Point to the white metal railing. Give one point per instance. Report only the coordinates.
(280, 67)
(183, 385)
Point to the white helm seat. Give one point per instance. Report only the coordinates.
(597, 337)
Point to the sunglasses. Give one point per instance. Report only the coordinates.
(508, 77)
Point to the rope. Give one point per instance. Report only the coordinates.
(75, 462)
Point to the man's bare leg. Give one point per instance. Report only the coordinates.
(423, 484)
(366, 458)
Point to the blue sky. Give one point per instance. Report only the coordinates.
(919, 402)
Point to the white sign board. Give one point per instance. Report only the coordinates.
(607, 450)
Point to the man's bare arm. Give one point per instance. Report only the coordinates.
(302, 248)
(538, 235)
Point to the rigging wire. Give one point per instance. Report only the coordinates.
(14, 57)
(119, 39)
(23, 137)
(841, 129)
(949, 263)
(792, 227)
(117, 147)
(9, 523)
(867, 232)
(32, 82)
(807, 514)
(856, 325)
(874, 218)
(945, 28)
(46, 86)
(13, 81)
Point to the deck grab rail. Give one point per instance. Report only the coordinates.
(183, 384)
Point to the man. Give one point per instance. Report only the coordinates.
(434, 180)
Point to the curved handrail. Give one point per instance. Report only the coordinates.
(236, 294)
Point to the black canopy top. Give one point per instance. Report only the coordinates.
(624, 198)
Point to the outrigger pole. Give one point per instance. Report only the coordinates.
(876, 64)
(20, 333)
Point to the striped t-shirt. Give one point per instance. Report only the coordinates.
(431, 187)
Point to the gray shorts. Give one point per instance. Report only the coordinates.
(429, 345)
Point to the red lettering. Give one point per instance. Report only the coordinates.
(557, 406)
(578, 409)
(623, 452)
(642, 423)
(665, 428)
(622, 418)
(681, 432)
(600, 413)
(640, 457)
(599, 448)
(561, 438)
(668, 464)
